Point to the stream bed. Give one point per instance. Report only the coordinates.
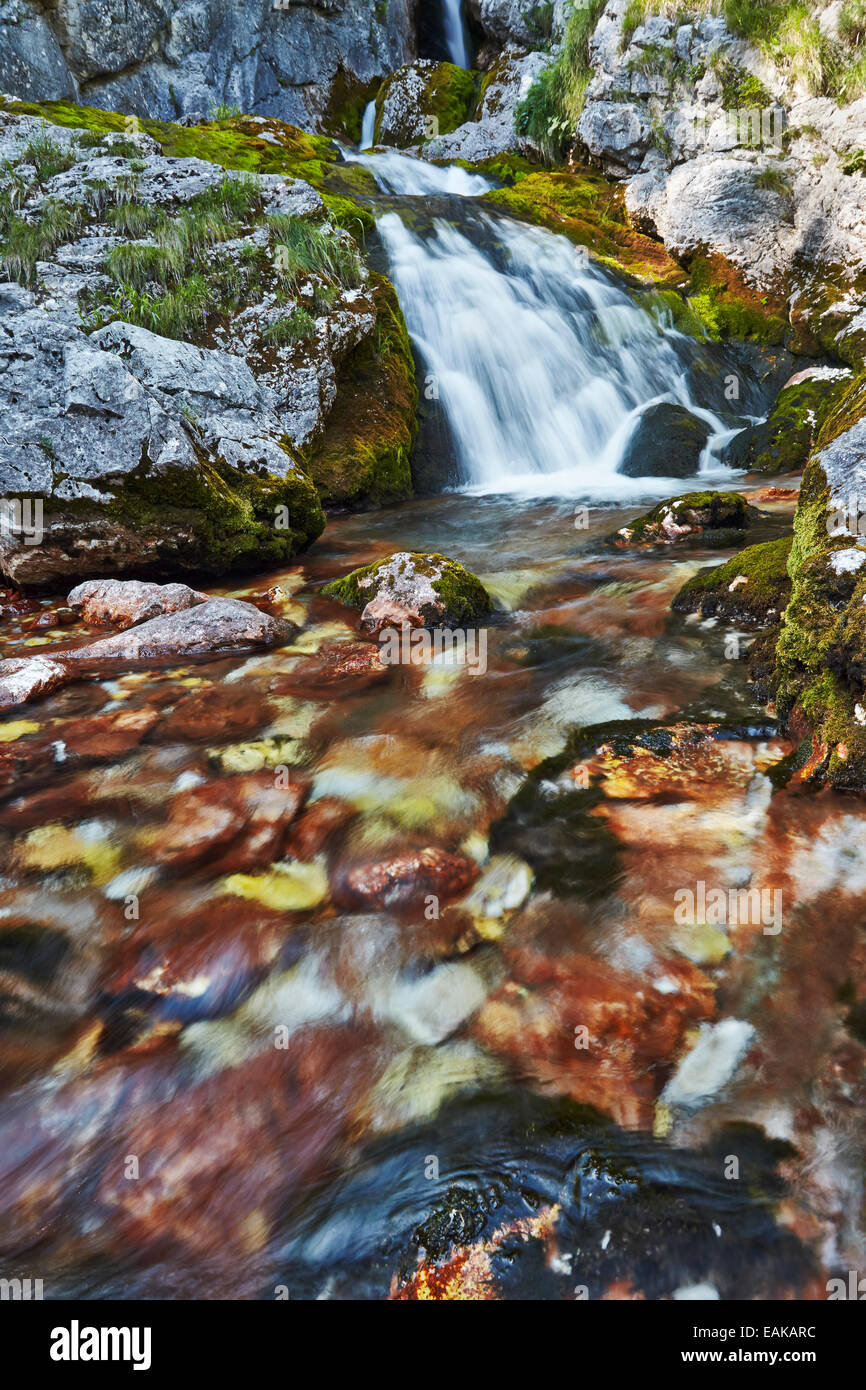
(242, 1059)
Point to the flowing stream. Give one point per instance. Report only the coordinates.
(238, 1061)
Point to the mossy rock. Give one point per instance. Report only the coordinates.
(711, 518)
(667, 442)
(588, 209)
(753, 588)
(439, 591)
(783, 442)
(209, 521)
(821, 653)
(727, 307)
(422, 100)
(363, 456)
(243, 143)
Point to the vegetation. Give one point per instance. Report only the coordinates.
(549, 112)
(293, 328)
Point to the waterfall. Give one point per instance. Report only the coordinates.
(368, 126)
(542, 364)
(455, 33)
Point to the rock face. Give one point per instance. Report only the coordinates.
(162, 366)
(414, 590)
(692, 118)
(667, 443)
(171, 58)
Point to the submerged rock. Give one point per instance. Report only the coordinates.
(716, 518)
(667, 443)
(415, 589)
(406, 879)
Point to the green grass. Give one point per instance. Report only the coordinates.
(223, 112)
(294, 328)
(549, 112)
(47, 156)
(134, 220)
(301, 249)
(24, 243)
(774, 180)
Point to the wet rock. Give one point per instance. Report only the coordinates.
(753, 588)
(236, 823)
(406, 879)
(130, 601)
(26, 678)
(667, 443)
(186, 967)
(138, 63)
(715, 518)
(582, 1029)
(218, 625)
(416, 589)
(317, 828)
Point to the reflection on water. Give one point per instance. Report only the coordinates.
(315, 976)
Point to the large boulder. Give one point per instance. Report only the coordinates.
(161, 395)
(414, 589)
(103, 601)
(667, 443)
(421, 101)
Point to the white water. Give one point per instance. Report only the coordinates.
(368, 126)
(541, 363)
(395, 172)
(455, 34)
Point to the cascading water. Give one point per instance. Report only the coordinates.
(455, 32)
(541, 362)
(368, 126)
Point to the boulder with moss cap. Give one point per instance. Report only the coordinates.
(414, 589)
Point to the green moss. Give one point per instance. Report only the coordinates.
(715, 518)
(729, 308)
(782, 444)
(591, 212)
(364, 453)
(465, 597)
(760, 599)
(820, 675)
(449, 98)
